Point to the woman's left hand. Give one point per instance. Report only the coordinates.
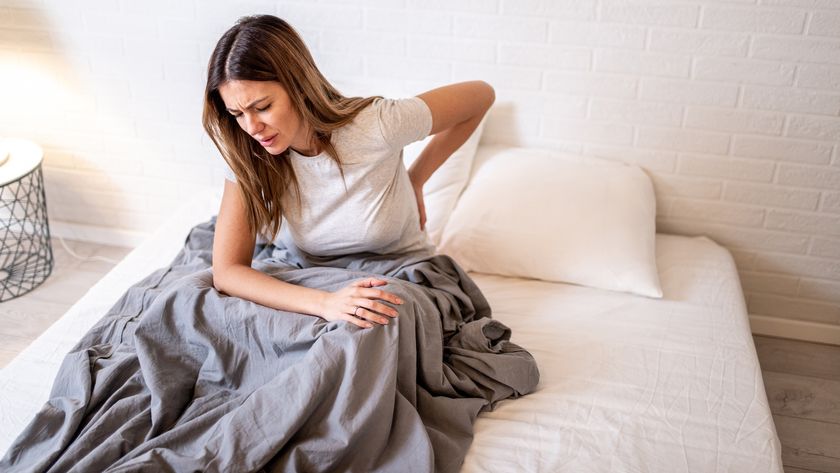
(421, 206)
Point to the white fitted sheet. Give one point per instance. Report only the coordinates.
(628, 383)
(632, 384)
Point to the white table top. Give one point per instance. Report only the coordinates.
(23, 157)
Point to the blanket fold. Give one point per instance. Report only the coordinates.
(180, 377)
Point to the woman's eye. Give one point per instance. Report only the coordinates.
(264, 108)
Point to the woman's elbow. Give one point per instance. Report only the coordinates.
(489, 94)
(220, 278)
(217, 281)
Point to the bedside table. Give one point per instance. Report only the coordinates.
(26, 257)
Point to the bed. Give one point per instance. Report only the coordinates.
(628, 383)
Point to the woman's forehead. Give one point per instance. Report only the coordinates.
(243, 92)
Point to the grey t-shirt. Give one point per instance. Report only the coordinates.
(377, 212)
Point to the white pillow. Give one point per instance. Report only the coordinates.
(556, 217)
(441, 191)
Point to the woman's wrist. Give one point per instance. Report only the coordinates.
(319, 302)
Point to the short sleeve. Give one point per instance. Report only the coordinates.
(404, 121)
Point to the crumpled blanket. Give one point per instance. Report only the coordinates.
(178, 377)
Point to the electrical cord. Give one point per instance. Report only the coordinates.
(83, 258)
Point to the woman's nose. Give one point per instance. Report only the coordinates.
(253, 125)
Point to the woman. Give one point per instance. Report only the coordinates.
(328, 164)
(176, 376)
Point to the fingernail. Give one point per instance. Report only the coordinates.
(369, 325)
(399, 301)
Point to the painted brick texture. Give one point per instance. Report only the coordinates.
(731, 106)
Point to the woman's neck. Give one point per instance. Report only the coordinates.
(307, 153)
(312, 148)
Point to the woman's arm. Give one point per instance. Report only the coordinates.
(233, 248)
(457, 110)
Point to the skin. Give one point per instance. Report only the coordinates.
(264, 111)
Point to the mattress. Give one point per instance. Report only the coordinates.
(628, 383)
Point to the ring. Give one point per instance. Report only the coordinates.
(356, 310)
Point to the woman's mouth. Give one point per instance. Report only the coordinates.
(267, 142)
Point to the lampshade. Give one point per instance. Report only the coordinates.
(19, 158)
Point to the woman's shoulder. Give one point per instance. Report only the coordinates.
(386, 124)
(386, 110)
(364, 124)
(361, 136)
(400, 121)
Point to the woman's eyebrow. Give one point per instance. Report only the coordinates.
(250, 105)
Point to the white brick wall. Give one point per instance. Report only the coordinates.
(732, 106)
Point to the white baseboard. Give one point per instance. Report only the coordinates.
(94, 234)
(796, 329)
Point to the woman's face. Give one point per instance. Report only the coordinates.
(263, 109)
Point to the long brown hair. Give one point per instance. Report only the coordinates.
(267, 48)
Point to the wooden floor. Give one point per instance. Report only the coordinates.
(803, 387)
(802, 379)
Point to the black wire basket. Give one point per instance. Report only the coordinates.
(26, 257)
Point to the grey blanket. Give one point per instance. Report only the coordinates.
(178, 377)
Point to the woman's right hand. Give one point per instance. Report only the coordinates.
(358, 303)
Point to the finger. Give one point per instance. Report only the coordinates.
(377, 307)
(356, 321)
(360, 310)
(371, 316)
(380, 294)
(368, 282)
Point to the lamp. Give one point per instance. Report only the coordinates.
(26, 257)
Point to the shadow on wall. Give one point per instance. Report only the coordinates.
(49, 97)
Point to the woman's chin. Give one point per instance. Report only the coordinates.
(275, 150)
